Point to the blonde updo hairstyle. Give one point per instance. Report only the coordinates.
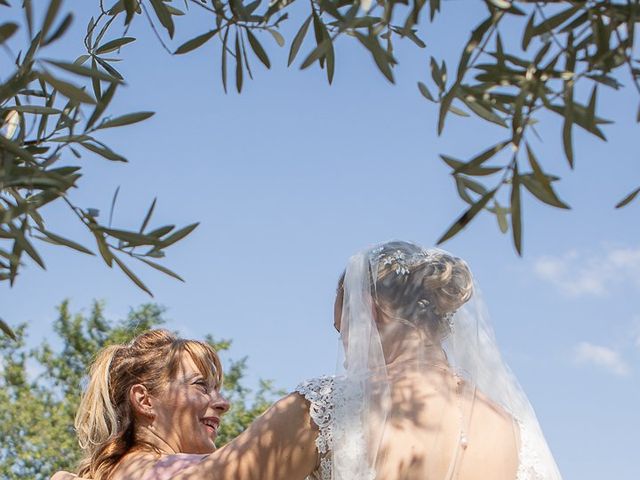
(422, 287)
(105, 421)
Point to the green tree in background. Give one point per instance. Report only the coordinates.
(40, 389)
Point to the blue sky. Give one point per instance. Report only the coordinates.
(293, 176)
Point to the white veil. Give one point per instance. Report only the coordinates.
(426, 302)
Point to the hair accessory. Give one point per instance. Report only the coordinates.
(400, 262)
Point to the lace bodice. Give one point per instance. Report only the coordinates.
(321, 394)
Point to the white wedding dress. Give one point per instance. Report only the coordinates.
(401, 306)
(322, 394)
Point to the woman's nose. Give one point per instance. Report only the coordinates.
(220, 403)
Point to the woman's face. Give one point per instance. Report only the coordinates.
(188, 411)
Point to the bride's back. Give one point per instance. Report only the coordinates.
(423, 438)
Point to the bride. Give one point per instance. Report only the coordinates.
(423, 392)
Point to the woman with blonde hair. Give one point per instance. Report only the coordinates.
(154, 397)
(424, 393)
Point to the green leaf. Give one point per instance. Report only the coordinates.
(162, 269)
(102, 105)
(591, 108)
(104, 64)
(473, 171)
(437, 75)
(159, 232)
(127, 119)
(317, 54)
(457, 111)
(476, 36)
(37, 109)
(257, 49)
(164, 16)
(50, 16)
(528, 32)
(383, 59)
(103, 151)
(178, 235)
(7, 330)
(466, 217)
(425, 92)
(84, 71)
(103, 248)
(70, 91)
(114, 45)
(552, 22)
(132, 238)
(566, 139)
(130, 274)
(482, 157)
(224, 60)
(95, 82)
(628, 199)
(60, 31)
(580, 118)
(7, 30)
(277, 36)
(297, 40)
(516, 215)
(331, 58)
(58, 240)
(445, 106)
(196, 42)
(238, 52)
(25, 244)
(131, 6)
(16, 150)
(542, 188)
(605, 80)
(501, 217)
(147, 217)
(483, 111)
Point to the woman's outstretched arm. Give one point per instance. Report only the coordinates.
(278, 445)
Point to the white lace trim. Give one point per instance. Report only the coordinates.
(529, 467)
(319, 392)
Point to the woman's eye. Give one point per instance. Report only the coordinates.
(202, 384)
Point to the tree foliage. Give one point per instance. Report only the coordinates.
(566, 48)
(48, 119)
(40, 388)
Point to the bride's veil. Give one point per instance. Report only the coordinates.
(427, 302)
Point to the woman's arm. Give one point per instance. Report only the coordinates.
(64, 476)
(278, 445)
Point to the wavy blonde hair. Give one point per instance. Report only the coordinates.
(105, 421)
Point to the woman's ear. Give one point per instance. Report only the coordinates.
(141, 401)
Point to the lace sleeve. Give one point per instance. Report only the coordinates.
(319, 392)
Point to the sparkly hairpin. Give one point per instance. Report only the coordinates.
(447, 317)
